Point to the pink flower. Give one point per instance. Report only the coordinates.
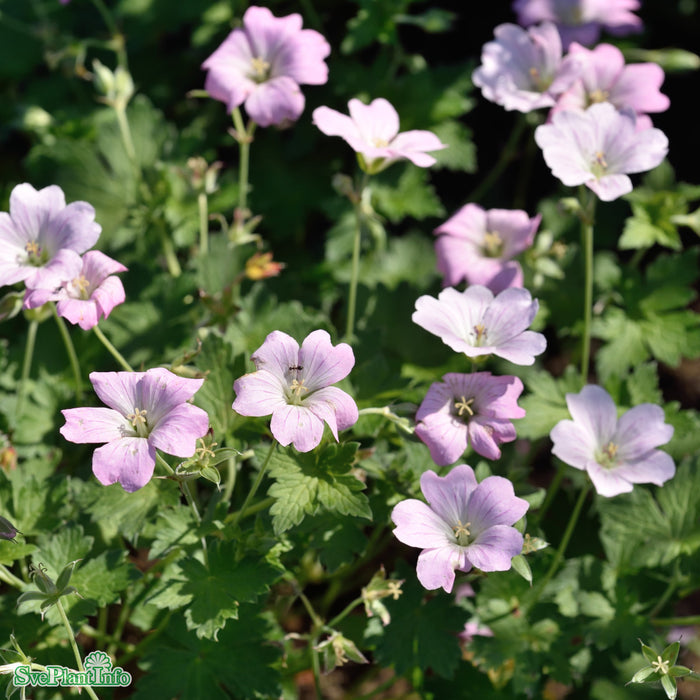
(42, 237)
(473, 629)
(147, 411)
(373, 132)
(294, 385)
(92, 292)
(523, 69)
(605, 78)
(598, 147)
(477, 323)
(469, 409)
(581, 20)
(464, 525)
(262, 65)
(616, 453)
(478, 246)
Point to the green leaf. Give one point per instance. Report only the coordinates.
(669, 686)
(545, 406)
(243, 661)
(460, 154)
(522, 567)
(215, 592)
(216, 394)
(422, 632)
(311, 482)
(404, 191)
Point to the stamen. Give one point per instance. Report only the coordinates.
(660, 666)
(610, 450)
(379, 143)
(33, 249)
(137, 418)
(81, 285)
(480, 333)
(261, 68)
(203, 451)
(600, 160)
(598, 95)
(394, 589)
(493, 244)
(298, 387)
(464, 405)
(462, 533)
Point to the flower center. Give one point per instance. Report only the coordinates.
(660, 666)
(261, 69)
(462, 533)
(608, 456)
(139, 422)
(598, 95)
(464, 406)
(36, 255)
(378, 142)
(298, 387)
(480, 333)
(599, 166)
(539, 82)
(80, 287)
(492, 245)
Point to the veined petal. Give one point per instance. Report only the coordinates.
(436, 567)
(417, 525)
(275, 101)
(493, 502)
(119, 390)
(277, 354)
(377, 122)
(108, 295)
(334, 123)
(573, 444)
(448, 495)
(177, 433)
(594, 410)
(298, 425)
(640, 430)
(258, 394)
(445, 437)
(94, 425)
(323, 364)
(79, 312)
(130, 461)
(608, 482)
(482, 440)
(655, 467)
(494, 548)
(160, 391)
(334, 406)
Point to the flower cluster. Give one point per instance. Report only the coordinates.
(41, 242)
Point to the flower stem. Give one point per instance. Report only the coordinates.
(551, 492)
(26, 365)
(355, 270)
(125, 131)
(562, 546)
(70, 349)
(244, 138)
(114, 352)
(345, 612)
(676, 621)
(203, 223)
(8, 577)
(256, 484)
(587, 221)
(74, 646)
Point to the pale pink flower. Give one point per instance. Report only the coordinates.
(42, 237)
(294, 385)
(147, 411)
(605, 78)
(263, 63)
(598, 148)
(373, 132)
(581, 20)
(479, 245)
(90, 294)
(615, 452)
(478, 323)
(463, 525)
(469, 409)
(524, 69)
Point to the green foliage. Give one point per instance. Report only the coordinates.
(422, 632)
(307, 483)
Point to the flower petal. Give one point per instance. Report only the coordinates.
(160, 391)
(494, 548)
(640, 430)
(94, 425)
(493, 502)
(655, 467)
(418, 525)
(323, 364)
(335, 407)
(607, 482)
(258, 394)
(594, 410)
(436, 567)
(130, 461)
(298, 425)
(448, 495)
(177, 433)
(275, 101)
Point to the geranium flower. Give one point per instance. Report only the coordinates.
(92, 292)
(263, 64)
(464, 525)
(598, 147)
(477, 323)
(605, 78)
(473, 629)
(478, 246)
(581, 20)
(294, 385)
(42, 236)
(616, 453)
(147, 411)
(469, 409)
(373, 132)
(523, 69)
